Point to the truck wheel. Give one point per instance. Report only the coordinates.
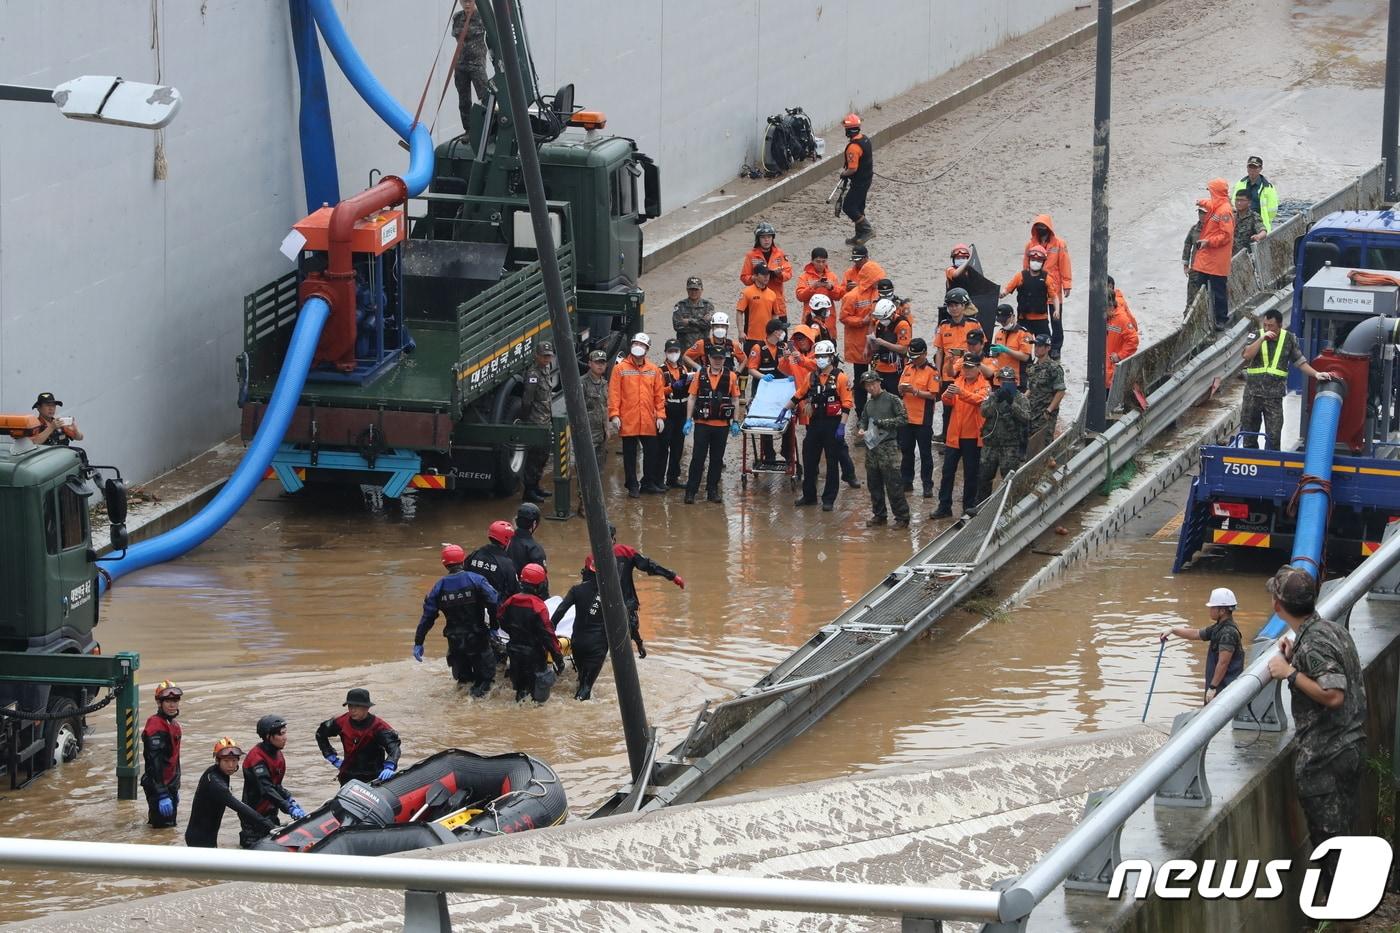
(63, 738)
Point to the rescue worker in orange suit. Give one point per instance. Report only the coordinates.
(637, 411)
(468, 606)
(525, 620)
(212, 796)
(768, 254)
(697, 355)
(589, 644)
(903, 307)
(629, 561)
(709, 413)
(264, 770)
(1010, 348)
(677, 378)
(963, 443)
(370, 745)
(801, 359)
(818, 316)
(818, 278)
(1035, 302)
(1058, 272)
(1215, 247)
(1121, 337)
(950, 344)
(757, 306)
(826, 395)
(859, 167)
(491, 561)
(861, 282)
(766, 360)
(160, 747)
(919, 388)
(889, 344)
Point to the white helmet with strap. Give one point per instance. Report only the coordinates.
(884, 310)
(824, 348)
(819, 302)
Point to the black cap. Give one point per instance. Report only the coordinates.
(972, 359)
(859, 251)
(1042, 340)
(761, 269)
(716, 349)
(46, 398)
(819, 252)
(957, 296)
(357, 696)
(918, 345)
(884, 285)
(977, 335)
(673, 344)
(1004, 312)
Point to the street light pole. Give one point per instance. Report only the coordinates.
(1390, 108)
(1097, 415)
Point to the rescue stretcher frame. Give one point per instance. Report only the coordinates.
(767, 417)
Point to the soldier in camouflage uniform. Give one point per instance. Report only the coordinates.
(880, 423)
(1267, 355)
(691, 315)
(537, 407)
(1249, 226)
(1194, 279)
(595, 397)
(1330, 736)
(1007, 415)
(470, 72)
(1045, 389)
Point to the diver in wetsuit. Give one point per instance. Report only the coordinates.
(160, 747)
(525, 620)
(589, 643)
(212, 797)
(630, 560)
(468, 604)
(263, 772)
(371, 744)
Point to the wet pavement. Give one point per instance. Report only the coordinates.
(300, 598)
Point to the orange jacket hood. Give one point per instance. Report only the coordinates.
(1049, 225)
(1218, 187)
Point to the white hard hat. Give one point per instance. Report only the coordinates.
(1221, 596)
(643, 339)
(884, 310)
(719, 319)
(824, 348)
(819, 302)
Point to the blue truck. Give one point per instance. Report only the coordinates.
(1246, 497)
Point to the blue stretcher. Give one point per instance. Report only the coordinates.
(767, 417)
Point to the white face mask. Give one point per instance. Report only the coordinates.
(824, 361)
(638, 350)
(719, 333)
(1037, 265)
(959, 263)
(673, 356)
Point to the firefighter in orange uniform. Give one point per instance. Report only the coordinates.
(861, 282)
(963, 443)
(1010, 349)
(1057, 272)
(710, 412)
(768, 254)
(1215, 248)
(637, 411)
(919, 388)
(950, 343)
(889, 343)
(859, 167)
(827, 397)
(818, 278)
(758, 304)
(719, 336)
(1121, 337)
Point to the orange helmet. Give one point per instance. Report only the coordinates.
(227, 747)
(452, 554)
(961, 249)
(852, 121)
(534, 574)
(501, 532)
(1035, 252)
(167, 690)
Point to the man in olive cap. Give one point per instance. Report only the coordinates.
(537, 407)
(691, 315)
(1323, 673)
(595, 399)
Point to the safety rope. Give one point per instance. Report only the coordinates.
(36, 716)
(428, 82)
(468, 7)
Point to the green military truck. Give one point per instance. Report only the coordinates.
(448, 318)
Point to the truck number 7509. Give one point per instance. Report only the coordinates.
(1242, 469)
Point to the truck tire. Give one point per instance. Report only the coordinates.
(63, 738)
(505, 409)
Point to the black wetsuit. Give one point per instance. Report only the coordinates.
(211, 798)
(590, 638)
(524, 549)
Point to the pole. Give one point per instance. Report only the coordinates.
(629, 690)
(1390, 114)
(1097, 415)
(1151, 688)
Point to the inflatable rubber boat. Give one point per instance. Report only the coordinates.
(453, 796)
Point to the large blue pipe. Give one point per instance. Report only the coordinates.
(420, 141)
(1311, 534)
(318, 168)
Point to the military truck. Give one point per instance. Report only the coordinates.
(450, 305)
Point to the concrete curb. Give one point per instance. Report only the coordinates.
(794, 182)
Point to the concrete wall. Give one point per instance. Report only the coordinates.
(123, 294)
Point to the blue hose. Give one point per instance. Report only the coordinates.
(318, 168)
(1311, 534)
(420, 141)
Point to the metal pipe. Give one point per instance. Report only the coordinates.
(1371, 333)
(420, 874)
(1390, 106)
(629, 691)
(1097, 414)
(1035, 885)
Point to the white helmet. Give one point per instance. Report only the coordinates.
(884, 310)
(719, 319)
(819, 302)
(824, 348)
(643, 339)
(1220, 597)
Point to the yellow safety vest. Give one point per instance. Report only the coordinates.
(1270, 364)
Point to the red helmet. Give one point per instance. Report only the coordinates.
(452, 554)
(533, 574)
(168, 690)
(961, 249)
(1035, 252)
(852, 121)
(501, 532)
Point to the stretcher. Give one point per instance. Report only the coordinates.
(768, 418)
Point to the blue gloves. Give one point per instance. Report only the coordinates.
(295, 811)
(767, 377)
(999, 348)
(733, 429)
(689, 426)
(388, 772)
(165, 807)
(333, 760)
(841, 431)
(418, 653)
